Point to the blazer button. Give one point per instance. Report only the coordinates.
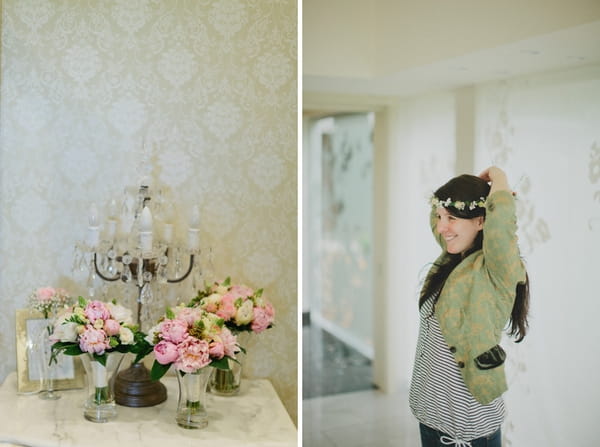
(452, 349)
(461, 364)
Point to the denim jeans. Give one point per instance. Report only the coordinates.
(434, 438)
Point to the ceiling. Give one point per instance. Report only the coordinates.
(563, 48)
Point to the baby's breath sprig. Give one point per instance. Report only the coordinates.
(458, 204)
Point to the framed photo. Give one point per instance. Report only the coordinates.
(32, 355)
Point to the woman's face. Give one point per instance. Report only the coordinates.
(458, 233)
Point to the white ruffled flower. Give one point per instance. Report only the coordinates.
(120, 313)
(244, 313)
(126, 336)
(65, 332)
(152, 334)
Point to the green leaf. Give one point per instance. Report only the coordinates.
(220, 364)
(158, 370)
(81, 301)
(113, 342)
(170, 314)
(100, 358)
(72, 350)
(141, 348)
(258, 293)
(227, 282)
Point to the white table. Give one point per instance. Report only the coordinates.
(256, 417)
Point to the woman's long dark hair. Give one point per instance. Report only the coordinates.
(469, 188)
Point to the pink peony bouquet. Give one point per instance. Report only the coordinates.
(190, 338)
(49, 300)
(96, 328)
(242, 308)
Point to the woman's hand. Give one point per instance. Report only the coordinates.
(497, 178)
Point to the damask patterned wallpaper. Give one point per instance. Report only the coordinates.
(210, 87)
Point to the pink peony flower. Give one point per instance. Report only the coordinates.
(230, 344)
(216, 349)
(227, 308)
(165, 352)
(93, 340)
(45, 293)
(241, 291)
(96, 310)
(193, 355)
(174, 331)
(263, 317)
(188, 314)
(111, 327)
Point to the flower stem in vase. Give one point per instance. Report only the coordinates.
(191, 406)
(48, 365)
(100, 405)
(101, 395)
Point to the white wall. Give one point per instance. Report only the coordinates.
(546, 131)
(419, 151)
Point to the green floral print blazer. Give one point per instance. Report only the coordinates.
(477, 299)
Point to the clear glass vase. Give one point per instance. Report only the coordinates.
(100, 404)
(47, 368)
(225, 382)
(191, 403)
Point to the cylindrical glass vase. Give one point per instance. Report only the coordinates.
(191, 404)
(47, 367)
(100, 404)
(227, 382)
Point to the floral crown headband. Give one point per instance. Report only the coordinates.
(458, 204)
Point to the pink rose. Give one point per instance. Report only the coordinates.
(93, 340)
(111, 327)
(45, 293)
(263, 317)
(193, 355)
(227, 309)
(230, 344)
(174, 331)
(216, 350)
(96, 310)
(165, 352)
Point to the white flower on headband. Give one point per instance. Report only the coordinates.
(458, 204)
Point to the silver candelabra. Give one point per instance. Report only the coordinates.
(134, 247)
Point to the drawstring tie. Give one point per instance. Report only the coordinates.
(447, 440)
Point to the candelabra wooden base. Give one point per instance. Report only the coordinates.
(135, 388)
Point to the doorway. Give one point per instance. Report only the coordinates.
(338, 254)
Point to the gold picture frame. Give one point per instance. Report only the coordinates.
(69, 372)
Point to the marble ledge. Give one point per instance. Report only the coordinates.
(256, 417)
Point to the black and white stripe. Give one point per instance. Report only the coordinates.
(439, 397)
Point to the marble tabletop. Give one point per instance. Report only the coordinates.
(255, 417)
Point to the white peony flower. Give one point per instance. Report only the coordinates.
(245, 313)
(120, 313)
(126, 336)
(65, 332)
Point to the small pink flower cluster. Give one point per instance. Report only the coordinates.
(95, 326)
(49, 300)
(241, 307)
(190, 339)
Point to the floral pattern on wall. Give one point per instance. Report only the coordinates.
(210, 86)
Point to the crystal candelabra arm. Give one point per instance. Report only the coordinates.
(186, 274)
(104, 277)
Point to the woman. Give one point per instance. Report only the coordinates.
(476, 285)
